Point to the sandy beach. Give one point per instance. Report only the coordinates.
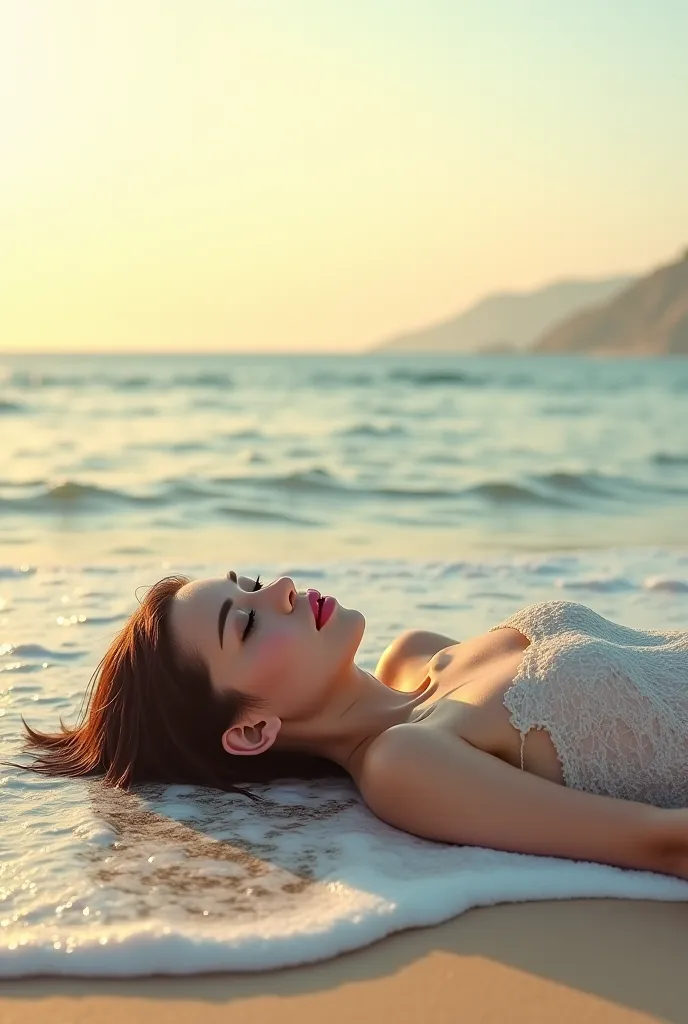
(573, 961)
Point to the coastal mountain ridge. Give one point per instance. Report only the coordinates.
(648, 318)
(508, 320)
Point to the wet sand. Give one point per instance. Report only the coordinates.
(569, 962)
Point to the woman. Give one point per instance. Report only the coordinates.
(557, 732)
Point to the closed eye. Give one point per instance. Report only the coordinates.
(252, 615)
(231, 575)
(227, 605)
(249, 627)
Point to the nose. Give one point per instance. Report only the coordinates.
(285, 591)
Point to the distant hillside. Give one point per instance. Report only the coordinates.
(649, 318)
(507, 320)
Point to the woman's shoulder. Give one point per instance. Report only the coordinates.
(405, 658)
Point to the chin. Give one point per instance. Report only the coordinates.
(351, 625)
(359, 624)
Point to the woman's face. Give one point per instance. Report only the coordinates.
(266, 643)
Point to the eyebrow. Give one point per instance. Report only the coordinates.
(222, 617)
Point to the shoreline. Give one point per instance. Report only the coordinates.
(598, 961)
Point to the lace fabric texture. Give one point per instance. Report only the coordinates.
(614, 701)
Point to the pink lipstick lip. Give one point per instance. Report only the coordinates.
(314, 601)
(321, 606)
(328, 606)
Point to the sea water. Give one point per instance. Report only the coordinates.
(433, 493)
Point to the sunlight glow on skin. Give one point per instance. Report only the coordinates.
(314, 696)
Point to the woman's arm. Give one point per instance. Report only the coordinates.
(403, 662)
(440, 787)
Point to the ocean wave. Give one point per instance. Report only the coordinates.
(652, 488)
(11, 407)
(71, 492)
(203, 380)
(32, 380)
(28, 380)
(321, 480)
(666, 583)
(602, 584)
(372, 430)
(561, 487)
(244, 434)
(556, 489)
(72, 495)
(670, 458)
(179, 447)
(180, 489)
(315, 479)
(254, 514)
(341, 380)
(505, 492)
(30, 650)
(134, 382)
(553, 488)
(413, 492)
(434, 378)
(580, 483)
(38, 482)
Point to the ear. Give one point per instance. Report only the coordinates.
(252, 737)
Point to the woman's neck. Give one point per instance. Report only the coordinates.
(361, 709)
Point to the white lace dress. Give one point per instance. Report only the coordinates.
(614, 701)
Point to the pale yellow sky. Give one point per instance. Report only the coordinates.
(272, 175)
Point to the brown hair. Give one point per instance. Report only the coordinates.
(150, 715)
